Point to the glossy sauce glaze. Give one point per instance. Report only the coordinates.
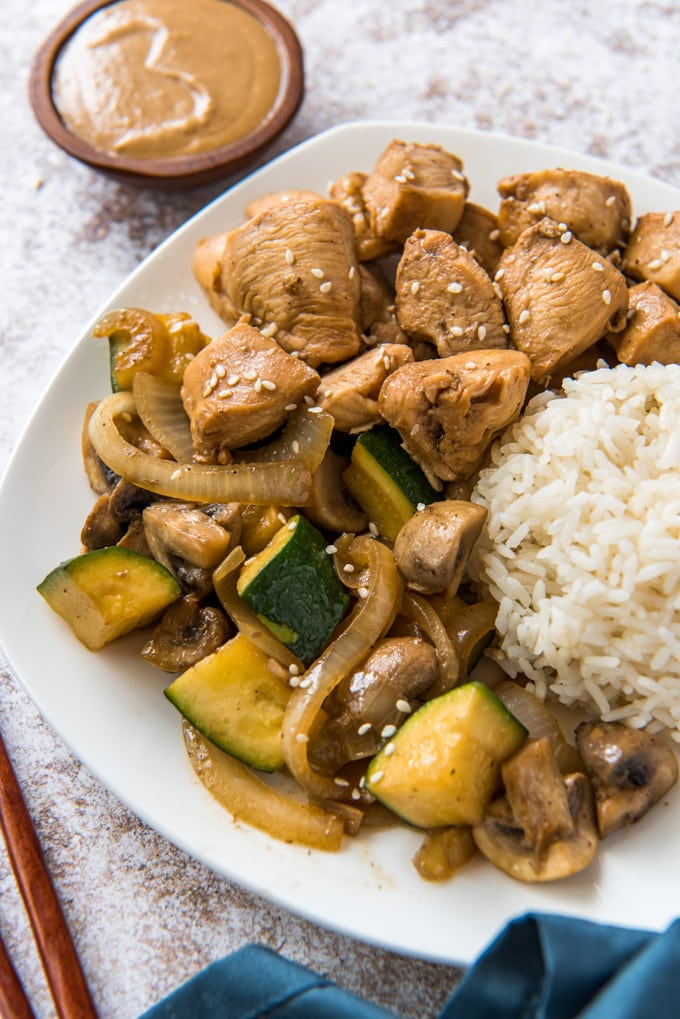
(150, 79)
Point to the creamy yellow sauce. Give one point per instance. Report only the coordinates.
(151, 79)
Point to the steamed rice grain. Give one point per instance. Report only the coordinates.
(581, 548)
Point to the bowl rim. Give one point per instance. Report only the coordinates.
(178, 170)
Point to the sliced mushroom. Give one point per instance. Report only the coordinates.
(187, 633)
(135, 536)
(127, 501)
(432, 548)
(366, 708)
(331, 506)
(176, 530)
(630, 770)
(101, 527)
(543, 828)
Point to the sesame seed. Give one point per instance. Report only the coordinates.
(400, 179)
(566, 237)
(457, 175)
(355, 794)
(270, 330)
(363, 729)
(294, 681)
(225, 394)
(373, 528)
(610, 201)
(331, 549)
(598, 267)
(315, 410)
(457, 330)
(292, 525)
(408, 173)
(284, 520)
(656, 263)
(289, 256)
(363, 592)
(505, 328)
(387, 362)
(294, 669)
(257, 385)
(387, 731)
(471, 365)
(220, 371)
(606, 296)
(306, 682)
(348, 568)
(233, 380)
(268, 385)
(176, 474)
(250, 375)
(557, 277)
(342, 782)
(403, 706)
(665, 255)
(455, 287)
(295, 446)
(290, 407)
(562, 227)
(415, 287)
(389, 749)
(494, 235)
(668, 219)
(319, 273)
(524, 317)
(420, 507)
(362, 782)
(377, 776)
(351, 272)
(325, 287)
(481, 331)
(302, 737)
(500, 274)
(537, 208)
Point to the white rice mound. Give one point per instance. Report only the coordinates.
(581, 547)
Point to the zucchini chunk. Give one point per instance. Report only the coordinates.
(236, 702)
(386, 482)
(109, 592)
(292, 587)
(443, 765)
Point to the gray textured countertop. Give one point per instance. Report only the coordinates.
(597, 78)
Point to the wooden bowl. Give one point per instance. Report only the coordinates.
(180, 171)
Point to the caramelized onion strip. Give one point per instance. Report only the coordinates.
(249, 799)
(370, 619)
(159, 405)
(286, 484)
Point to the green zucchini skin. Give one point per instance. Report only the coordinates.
(296, 592)
(384, 445)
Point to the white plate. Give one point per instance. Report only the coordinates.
(109, 707)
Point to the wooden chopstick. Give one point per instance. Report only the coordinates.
(13, 1001)
(64, 976)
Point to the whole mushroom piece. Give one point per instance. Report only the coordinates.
(432, 548)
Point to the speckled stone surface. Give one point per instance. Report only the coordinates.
(598, 78)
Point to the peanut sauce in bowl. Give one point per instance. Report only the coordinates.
(168, 93)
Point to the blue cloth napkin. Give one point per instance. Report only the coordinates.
(539, 967)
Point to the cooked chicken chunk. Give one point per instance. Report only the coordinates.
(294, 269)
(445, 297)
(414, 186)
(237, 389)
(268, 201)
(478, 232)
(653, 329)
(653, 252)
(595, 208)
(350, 393)
(449, 411)
(560, 296)
(348, 191)
(207, 268)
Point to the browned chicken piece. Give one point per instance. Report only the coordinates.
(560, 296)
(478, 232)
(653, 329)
(350, 392)
(348, 191)
(415, 186)
(596, 209)
(207, 268)
(653, 251)
(294, 269)
(266, 202)
(236, 391)
(445, 297)
(378, 318)
(449, 411)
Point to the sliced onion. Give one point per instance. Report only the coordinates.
(539, 721)
(370, 619)
(420, 612)
(287, 483)
(251, 800)
(305, 438)
(159, 405)
(225, 578)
